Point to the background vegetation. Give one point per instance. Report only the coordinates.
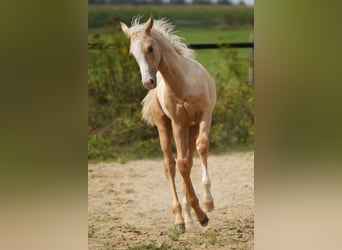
(116, 131)
(100, 16)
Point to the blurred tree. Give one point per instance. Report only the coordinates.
(226, 2)
(177, 1)
(201, 2)
(148, 1)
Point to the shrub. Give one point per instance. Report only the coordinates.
(114, 95)
(233, 118)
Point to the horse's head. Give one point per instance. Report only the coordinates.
(145, 51)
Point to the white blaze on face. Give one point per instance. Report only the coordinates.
(139, 57)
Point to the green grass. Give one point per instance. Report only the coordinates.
(207, 57)
(130, 227)
(210, 237)
(174, 234)
(212, 35)
(196, 34)
(153, 246)
(92, 231)
(193, 16)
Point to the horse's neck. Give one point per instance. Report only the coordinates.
(172, 67)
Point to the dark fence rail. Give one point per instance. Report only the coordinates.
(222, 45)
(192, 46)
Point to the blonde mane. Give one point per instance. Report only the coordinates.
(165, 28)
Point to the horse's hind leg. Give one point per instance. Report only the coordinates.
(202, 144)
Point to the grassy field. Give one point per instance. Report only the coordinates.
(207, 35)
(191, 16)
(192, 35)
(208, 57)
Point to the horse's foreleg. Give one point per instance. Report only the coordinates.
(165, 136)
(202, 144)
(181, 136)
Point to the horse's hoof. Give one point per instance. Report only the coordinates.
(180, 227)
(208, 206)
(204, 222)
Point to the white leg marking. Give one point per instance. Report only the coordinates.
(187, 211)
(207, 197)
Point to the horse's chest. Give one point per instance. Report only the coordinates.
(182, 111)
(162, 101)
(176, 108)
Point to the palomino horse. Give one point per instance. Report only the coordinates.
(180, 102)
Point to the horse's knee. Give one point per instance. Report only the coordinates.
(202, 145)
(183, 166)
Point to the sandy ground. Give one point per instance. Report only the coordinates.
(129, 205)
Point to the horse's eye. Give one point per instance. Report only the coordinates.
(150, 49)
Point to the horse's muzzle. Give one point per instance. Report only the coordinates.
(150, 83)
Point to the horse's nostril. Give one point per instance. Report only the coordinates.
(152, 81)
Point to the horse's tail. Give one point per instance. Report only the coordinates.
(147, 104)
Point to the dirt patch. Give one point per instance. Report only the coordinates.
(129, 205)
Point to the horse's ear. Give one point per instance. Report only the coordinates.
(125, 29)
(148, 25)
